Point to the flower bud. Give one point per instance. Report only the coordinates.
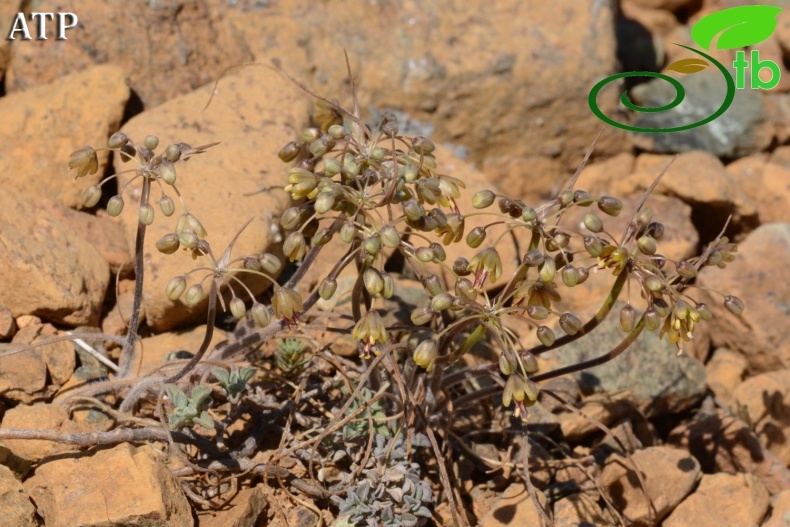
(661, 307)
(324, 202)
(583, 273)
(565, 198)
(515, 389)
(528, 214)
(593, 245)
(327, 288)
(260, 315)
(685, 269)
(548, 270)
(91, 196)
(166, 205)
(332, 167)
(115, 206)
(309, 135)
(483, 199)
(652, 319)
(570, 275)
(422, 145)
(593, 223)
(433, 284)
(627, 318)
(412, 210)
(654, 283)
(167, 171)
(582, 198)
(270, 263)
(168, 244)
(410, 173)
(252, 264)
(372, 245)
(424, 254)
(322, 236)
(348, 231)
(537, 312)
(570, 323)
(151, 142)
(647, 245)
(546, 336)
(506, 366)
(422, 315)
(610, 206)
(704, 311)
(373, 281)
(289, 152)
(389, 236)
(291, 218)
(656, 230)
(533, 258)
(389, 285)
(425, 354)
(644, 217)
(294, 246)
(188, 240)
(287, 303)
(465, 289)
(337, 132)
(146, 214)
(237, 308)
(680, 310)
(439, 253)
(175, 287)
(173, 153)
(476, 237)
(460, 266)
(195, 226)
(117, 140)
(194, 295)
(442, 301)
(734, 305)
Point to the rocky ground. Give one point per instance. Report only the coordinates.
(504, 88)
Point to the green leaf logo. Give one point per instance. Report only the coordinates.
(738, 26)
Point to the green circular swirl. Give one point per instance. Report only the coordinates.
(681, 93)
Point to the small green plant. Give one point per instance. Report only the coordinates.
(291, 357)
(360, 427)
(234, 382)
(189, 411)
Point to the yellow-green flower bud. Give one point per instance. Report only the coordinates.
(173, 153)
(654, 283)
(734, 305)
(425, 354)
(270, 263)
(289, 152)
(537, 312)
(476, 237)
(260, 314)
(168, 244)
(336, 131)
(176, 287)
(546, 336)
(389, 285)
(146, 214)
(167, 171)
(570, 323)
(372, 245)
(324, 202)
(593, 223)
(422, 315)
(117, 140)
(593, 245)
(609, 205)
(373, 281)
(704, 311)
(528, 214)
(151, 142)
(348, 231)
(188, 240)
(442, 301)
(291, 218)
(582, 198)
(237, 308)
(652, 319)
(327, 288)
(422, 145)
(115, 206)
(627, 318)
(294, 246)
(424, 254)
(647, 245)
(166, 205)
(548, 270)
(483, 199)
(91, 196)
(686, 270)
(570, 276)
(465, 289)
(194, 295)
(390, 237)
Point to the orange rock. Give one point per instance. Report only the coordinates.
(723, 500)
(767, 184)
(123, 485)
(577, 510)
(780, 513)
(16, 507)
(244, 510)
(766, 400)
(37, 417)
(725, 371)
(514, 507)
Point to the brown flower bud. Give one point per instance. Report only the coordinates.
(546, 336)
(570, 323)
(627, 318)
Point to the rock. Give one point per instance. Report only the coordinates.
(657, 21)
(45, 268)
(139, 490)
(252, 115)
(494, 80)
(103, 232)
(59, 358)
(723, 500)
(780, 156)
(765, 401)
(116, 319)
(45, 124)
(596, 177)
(23, 372)
(166, 48)
(761, 332)
(245, 508)
(16, 507)
(37, 417)
(8, 11)
(661, 380)
(603, 408)
(514, 507)
(736, 133)
(725, 371)
(723, 443)
(669, 476)
(766, 184)
(780, 514)
(526, 177)
(7, 324)
(578, 510)
(157, 347)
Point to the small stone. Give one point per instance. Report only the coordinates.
(7, 324)
(157, 347)
(669, 475)
(725, 371)
(244, 510)
(766, 184)
(137, 489)
(723, 500)
(602, 407)
(780, 510)
(37, 417)
(765, 400)
(578, 510)
(16, 507)
(514, 507)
